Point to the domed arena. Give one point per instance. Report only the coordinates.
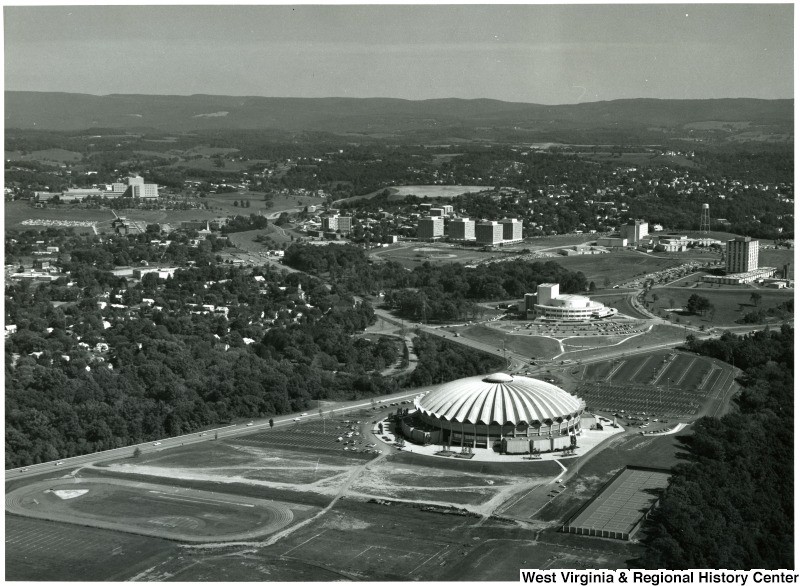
(513, 414)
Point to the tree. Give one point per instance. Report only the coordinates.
(755, 297)
(137, 452)
(236, 203)
(698, 304)
(272, 422)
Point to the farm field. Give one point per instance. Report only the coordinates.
(730, 303)
(37, 550)
(45, 156)
(643, 158)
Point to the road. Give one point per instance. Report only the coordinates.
(224, 432)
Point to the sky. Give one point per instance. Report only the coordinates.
(545, 54)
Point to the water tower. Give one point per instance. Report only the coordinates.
(705, 219)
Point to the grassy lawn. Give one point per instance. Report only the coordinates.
(44, 550)
(616, 266)
(660, 334)
(533, 346)
(777, 258)
(730, 303)
(411, 256)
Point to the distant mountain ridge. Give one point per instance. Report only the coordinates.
(67, 111)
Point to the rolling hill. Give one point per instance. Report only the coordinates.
(64, 111)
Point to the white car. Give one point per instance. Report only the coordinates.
(304, 415)
(296, 419)
(59, 462)
(156, 443)
(250, 424)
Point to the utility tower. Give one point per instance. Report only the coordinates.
(705, 219)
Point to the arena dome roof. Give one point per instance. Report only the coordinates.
(500, 398)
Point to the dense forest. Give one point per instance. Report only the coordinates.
(731, 504)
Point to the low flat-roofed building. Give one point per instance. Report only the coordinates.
(612, 242)
(741, 278)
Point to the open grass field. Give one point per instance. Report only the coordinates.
(643, 158)
(659, 334)
(420, 191)
(223, 203)
(558, 240)
(618, 267)
(378, 542)
(150, 509)
(45, 156)
(37, 550)
(501, 560)
(434, 191)
(730, 303)
(527, 345)
(413, 254)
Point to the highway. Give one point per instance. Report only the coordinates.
(224, 432)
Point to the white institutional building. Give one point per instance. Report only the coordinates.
(547, 303)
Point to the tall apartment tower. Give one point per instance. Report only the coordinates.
(335, 222)
(705, 219)
(430, 228)
(741, 255)
(634, 232)
(461, 229)
(138, 188)
(512, 230)
(345, 224)
(489, 233)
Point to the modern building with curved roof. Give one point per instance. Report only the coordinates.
(481, 411)
(550, 304)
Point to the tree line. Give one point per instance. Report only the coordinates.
(731, 503)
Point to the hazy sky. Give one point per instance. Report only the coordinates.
(549, 54)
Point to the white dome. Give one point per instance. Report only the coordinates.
(499, 399)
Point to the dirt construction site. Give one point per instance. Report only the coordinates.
(326, 499)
